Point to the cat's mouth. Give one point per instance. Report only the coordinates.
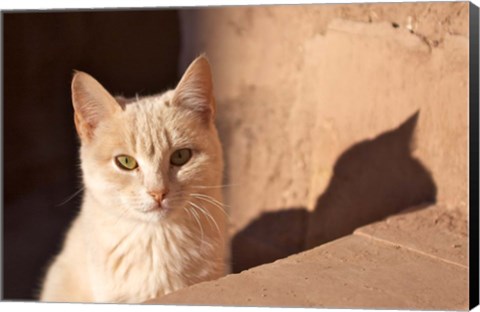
(158, 208)
(156, 211)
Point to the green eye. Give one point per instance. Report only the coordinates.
(181, 157)
(126, 162)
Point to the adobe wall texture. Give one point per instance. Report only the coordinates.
(334, 116)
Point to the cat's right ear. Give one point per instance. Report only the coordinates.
(92, 104)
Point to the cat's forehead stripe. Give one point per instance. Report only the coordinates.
(167, 137)
(147, 133)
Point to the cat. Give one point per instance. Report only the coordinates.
(152, 218)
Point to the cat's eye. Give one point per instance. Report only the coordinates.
(126, 162)
(181, 157)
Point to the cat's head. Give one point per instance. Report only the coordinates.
(143, 158)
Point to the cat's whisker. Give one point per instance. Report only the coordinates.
(214, 205)
(175, 197)
(211, 199)
(188, 211)
(70, 197)
(209, 216)
(214, 186)
(197, 218)
(205, 213)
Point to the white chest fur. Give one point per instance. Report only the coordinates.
(137, 262)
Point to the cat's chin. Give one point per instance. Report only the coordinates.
(155, 213)
(154, 216)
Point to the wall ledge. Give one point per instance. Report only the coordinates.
(413, 260)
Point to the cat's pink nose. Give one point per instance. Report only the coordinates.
(159, 195)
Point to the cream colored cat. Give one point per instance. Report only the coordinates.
(151, 220)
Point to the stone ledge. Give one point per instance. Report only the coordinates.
(434, 231)
(382, 265)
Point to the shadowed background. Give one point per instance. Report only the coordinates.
(331, 116)
(129, 52)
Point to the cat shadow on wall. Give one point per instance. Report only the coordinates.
(371, 180)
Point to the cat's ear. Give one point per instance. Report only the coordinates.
(92, 104)
(195, 89)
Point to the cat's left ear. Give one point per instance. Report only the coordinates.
(195, 89)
